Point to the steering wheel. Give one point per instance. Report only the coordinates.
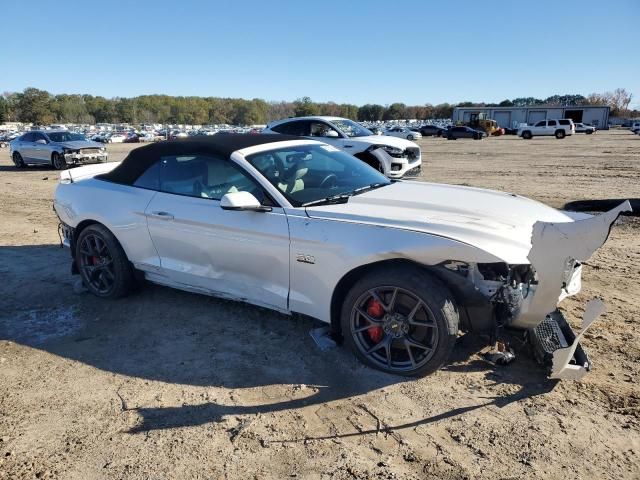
(329, 181)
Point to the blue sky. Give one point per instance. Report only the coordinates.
(346, 51)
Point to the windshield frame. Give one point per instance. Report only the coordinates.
(335, 123)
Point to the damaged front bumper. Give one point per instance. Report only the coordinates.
(556, 253)
(403, 167)
(400, 165)
(77, 158)
(558, 347)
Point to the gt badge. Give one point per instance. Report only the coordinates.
(301, 257)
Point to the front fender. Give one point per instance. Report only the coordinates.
(324, 251)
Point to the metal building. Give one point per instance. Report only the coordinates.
(511, 117)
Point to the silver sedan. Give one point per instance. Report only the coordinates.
(58, 148)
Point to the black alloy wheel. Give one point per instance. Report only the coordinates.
(394, 329)
(102, 263)
(395, 326)
(96, 264)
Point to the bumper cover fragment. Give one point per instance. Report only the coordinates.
(558, 347)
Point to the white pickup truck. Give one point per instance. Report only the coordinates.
(558, 128)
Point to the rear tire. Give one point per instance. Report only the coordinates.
(58, 161)
(560, 134)
(102, 263)
(18, 161)
(412, 332)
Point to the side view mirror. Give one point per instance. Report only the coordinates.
(41, 141)
(242, 201)
(331, 134)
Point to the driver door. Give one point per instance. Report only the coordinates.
(41, 151)
(235, 254)
(541, 127)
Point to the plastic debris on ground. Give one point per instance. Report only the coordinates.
(322, 337)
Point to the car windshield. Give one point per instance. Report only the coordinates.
(351, 128)
(65, 136)
(316, 174)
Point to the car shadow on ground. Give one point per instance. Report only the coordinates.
(165, 335)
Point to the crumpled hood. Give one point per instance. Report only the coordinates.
(497, 222)
(386, 140)
(78, 144)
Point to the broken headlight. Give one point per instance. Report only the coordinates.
(393, 151)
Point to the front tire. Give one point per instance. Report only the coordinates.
(527, 135)
(401, 321)
(58, 161)
(370, 160)
(18, 161)
(102, 263)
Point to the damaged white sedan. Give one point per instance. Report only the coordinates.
(397, 268)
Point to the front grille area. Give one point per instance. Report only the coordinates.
(552, 334)
(90, 150)
(412, 153)
(549, 335)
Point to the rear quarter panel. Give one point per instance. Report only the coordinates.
(118, 207)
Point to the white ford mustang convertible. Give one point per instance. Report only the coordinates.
(397, 268)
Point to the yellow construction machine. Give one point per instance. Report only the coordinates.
(479, 121)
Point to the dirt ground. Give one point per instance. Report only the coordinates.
(165, 384)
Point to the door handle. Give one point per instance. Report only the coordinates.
(161, 215)
(348, 146)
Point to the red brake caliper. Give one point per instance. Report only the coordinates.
(376, 310)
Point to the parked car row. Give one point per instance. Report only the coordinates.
(7, 136)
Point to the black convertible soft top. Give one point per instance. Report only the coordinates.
(142, 158)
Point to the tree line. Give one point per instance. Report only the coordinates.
(40, 107)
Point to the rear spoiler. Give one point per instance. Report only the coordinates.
(72, 175)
